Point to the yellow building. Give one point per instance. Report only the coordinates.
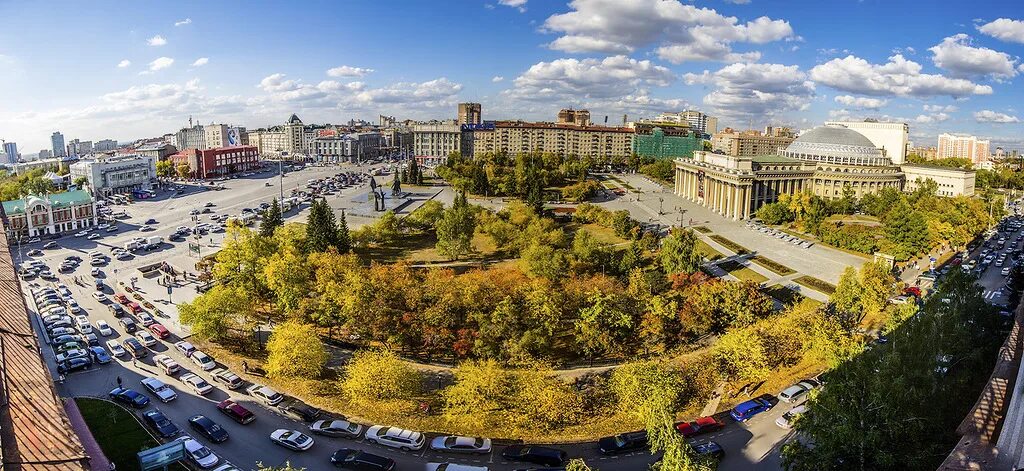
(748, 143)
(513, 137)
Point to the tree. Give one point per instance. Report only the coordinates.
(321, 230)
(679, 252)
(165, 169)
(184, 170)
(455, 229)
(287, 467)
(378, 375)
(906, 230)
(775, 214)
(741, 356)
(272, 219)
(604, 325)
(212, 315)
(80, 182)
(544, 261)
(295, 350)
(426, 216)
(479, 394)
(632, 257)
(344, 239)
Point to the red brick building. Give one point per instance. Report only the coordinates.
(212, 163)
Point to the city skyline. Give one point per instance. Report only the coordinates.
(751, 63)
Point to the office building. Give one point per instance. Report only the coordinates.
(38, 215)
(117, 174)
(354, 147)
(701, 122)
(157, 150)
(603, 143)
(219, 162)
(11, 152)
(825, 161)
(892, 138)
(105, 145)
(665, 140)
(57, 144)
(962, 146)
(576, 117)
(192, 137)
(44, 154)
(79, 148)
(287, 140)
(747, 143)
(469, 113)
(434, 141)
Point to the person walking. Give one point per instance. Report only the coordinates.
(118, 381)
(245, 367)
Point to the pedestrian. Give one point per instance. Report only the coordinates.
(133, 362)
(245, 367)
(118, 381)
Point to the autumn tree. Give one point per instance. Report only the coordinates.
(679, 252)
(184, 170)
(378, 375)
(741, 355)
(165, 169)
(295, 350)
(213, 315)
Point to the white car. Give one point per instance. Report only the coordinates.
(74, 307)
(292, 439)
(93, 236)
(96, 272)
(167, 364)
(145, 338)
(116, 349)
(265, 394)
(83, 325)
(396, 437)
(160, 389)
(64, 291)
(1005, 271)
(185, 348)
(124, 256)
(100, 297)
(199, 454)
(203, 360)
(104, 328)
(786, 420)
(145, 319)
(73, 353)
(103, 226)
(81, 233)
(145, 228)
(198, 384)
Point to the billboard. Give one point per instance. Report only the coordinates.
(234, 137)
(161, 456)
(327, 133)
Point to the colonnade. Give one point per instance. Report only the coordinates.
(729, 198)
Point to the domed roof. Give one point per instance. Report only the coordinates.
(836, 135)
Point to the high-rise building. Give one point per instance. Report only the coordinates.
(57, 144)
(432, 142)
(470, 113)
(571, 116)
(892, 138)
(105, 145)
(11, 151)
(77, 147)
(288, 139)
(45, 154)
(962, 146)
(569, 140)
(193, 137)
(701, 122)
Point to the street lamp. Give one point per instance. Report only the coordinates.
(661, 206)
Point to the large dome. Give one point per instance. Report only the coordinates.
(838, 145)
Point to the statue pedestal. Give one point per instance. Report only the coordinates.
(363, 204)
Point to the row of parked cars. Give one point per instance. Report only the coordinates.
(759, 227)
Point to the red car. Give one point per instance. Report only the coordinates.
(700, 426)
(236, 411)
(121, 299)
(159, 331)
(134, 308)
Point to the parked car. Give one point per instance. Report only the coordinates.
(199, 454)
(115, 348)
(159, 331)
(227, 378)
(536, 454)
(136, 348)
(185, 348)
(297, 409)
(197, 383)
(291, 439)
(203, 360)
(395, 437)
(622, 443)
(129, 325)
(167, 364)
(116, 310)
(700, 426)
(336, 428)
(208, 428)
(104, 328)
(786, 420)
(99, 355)
(129, 397)
(745, 410)
(73, 364)
(347, 458)
(265, 394)
(457, 444)
(710, 449)
(236, 411)
(145, 338)
(160, 423)
(797, 391)
(160, 389)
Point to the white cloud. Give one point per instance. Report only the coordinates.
(940, 108)
(899, 77)
(156, 41)
(201, 62)
(931, 118)
(330, 93)
(957, 55)
(1005, 29)
(124, 63)
(682, 32)
(755, 90)
(186, 21)
(437, 92)
(497, 78)
(160, 63)
(989, 116)
(517, 4)
(347, 71)
(861, 102)
(566, 79)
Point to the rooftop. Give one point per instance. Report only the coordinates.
(773, 159)
(938, 167)
(56, 200)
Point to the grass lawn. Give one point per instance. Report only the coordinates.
(117, 432)
(816, 284)
(743, 273)
(739, 249)
(707, 252)
(483, 250)
(772, 265)
(818, 241)
(702, 229)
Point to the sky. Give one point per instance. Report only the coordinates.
(126, 70)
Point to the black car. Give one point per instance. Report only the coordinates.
(710, 449)
(129, 324)
(359, 460)
(542, 455)
(208, 428)
(623, 443)
(150, 221)
(73, 364)
(129, 397)
(159, 422)
(134, 347)
(300, 410)
(116, 310)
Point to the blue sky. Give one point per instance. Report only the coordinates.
(126, 70)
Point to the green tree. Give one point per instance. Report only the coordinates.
(321, 229)
(295, 350)
(343, 241)
(741, 355)
(272, 219)
(455, 229)
(544, 261)
(679, 252)
(775, 214)
(379, 375)
(906, 230)
(80, 182)
(632, 258)
(165, 169)
(604, 325)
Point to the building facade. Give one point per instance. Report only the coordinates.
(287, 140)
(105, 145)
(747, 143)
(926, 153)
(157, 150)
(434, 141)
(569, 140)
(10, 152)
(470, 113)
(49, 214)
(962, 146)
(826, 161)
(665, 140)
(191, 138)
(57, 144)
(575, 117)
(118, 174)
(702, 123)
(354, 147)
(79, 148)
(892, 138)
(219, 162)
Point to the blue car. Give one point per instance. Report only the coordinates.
(748, 409)
(99, 355)
(129, 397)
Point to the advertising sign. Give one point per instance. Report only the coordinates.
(162, 456)
(234, 137)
